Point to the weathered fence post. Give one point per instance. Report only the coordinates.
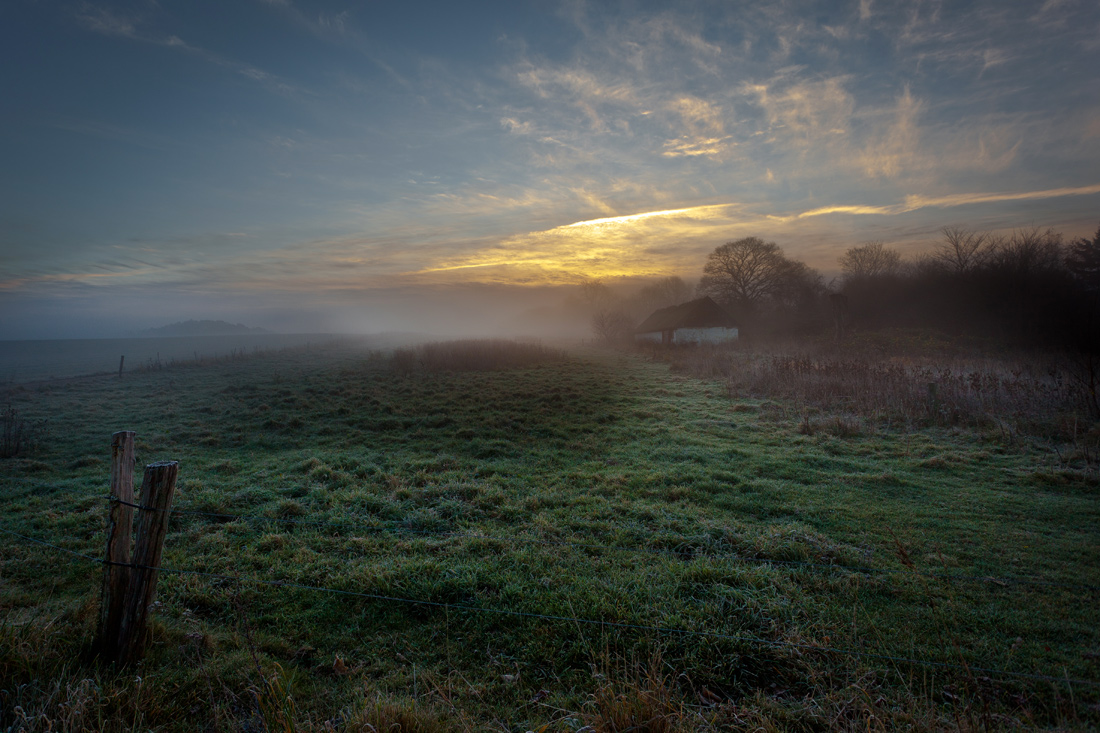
(116, 575)
(157, 489)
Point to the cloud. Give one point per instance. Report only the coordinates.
(103, 21)
(918, 201)
(535, 166)
(615, 246)
(693, 146)
(703, 126)
(519, 128)
(896, 148)
(805, 113)
(963, 199)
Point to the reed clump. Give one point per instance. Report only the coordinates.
(1022, 394)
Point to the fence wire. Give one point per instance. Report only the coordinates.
(680, 554)
(854, 653)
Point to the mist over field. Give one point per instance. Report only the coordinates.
(39, 359)
(437, 367)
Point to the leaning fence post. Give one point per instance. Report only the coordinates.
(120, 519)
(157, 489)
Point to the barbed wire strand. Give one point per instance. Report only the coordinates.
(593, 622)
(1003, 580)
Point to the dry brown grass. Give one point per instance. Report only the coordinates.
(42, 689)
(390, 716)
(642, 700)
(1021, 394)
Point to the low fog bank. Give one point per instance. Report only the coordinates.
(445, 311)
(1030, 287)
(42, 359)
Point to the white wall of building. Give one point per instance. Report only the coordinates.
(714, 335)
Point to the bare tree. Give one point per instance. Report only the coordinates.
(665, 292)
(1029, 251)
(873, 259)
(748, 272)
(1083, 260)
(963, 250)
(596, 295)
(611, 326)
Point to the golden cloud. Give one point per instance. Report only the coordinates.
(616, 246)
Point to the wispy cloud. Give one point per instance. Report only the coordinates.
(895, 148)
(962, 199)
(106, 22)
(917, 201)
(632, 141)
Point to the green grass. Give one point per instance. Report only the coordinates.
(489, 489)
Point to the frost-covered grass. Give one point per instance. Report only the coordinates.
(595, 486)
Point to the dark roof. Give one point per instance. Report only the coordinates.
(701, 313)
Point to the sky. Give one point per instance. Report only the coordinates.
(365, 166)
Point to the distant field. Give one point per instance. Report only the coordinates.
(27, 361)
(588, 540)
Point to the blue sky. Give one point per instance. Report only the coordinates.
(375, 165)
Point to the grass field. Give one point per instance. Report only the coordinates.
(706, 533)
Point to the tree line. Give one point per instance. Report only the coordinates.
(1028, 288)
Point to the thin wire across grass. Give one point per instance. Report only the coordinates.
(618, 443)
(688, 550)
(653, 628)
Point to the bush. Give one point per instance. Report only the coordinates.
(18, 436)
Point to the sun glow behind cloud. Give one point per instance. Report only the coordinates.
(364, 150)
(645, 244)
(657, 243)
(609, 247)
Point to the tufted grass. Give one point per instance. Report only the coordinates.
(509, 490)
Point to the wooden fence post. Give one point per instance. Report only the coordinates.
(157, 489)
(120, 519)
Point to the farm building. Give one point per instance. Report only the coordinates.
(699, 321)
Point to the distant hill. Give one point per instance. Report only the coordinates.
(202, 328)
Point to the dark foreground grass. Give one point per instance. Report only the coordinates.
(597, 488)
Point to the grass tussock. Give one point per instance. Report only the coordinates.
(641, 699)
(397, 716)
(599, 488)
(44, 685)
(472, 355)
